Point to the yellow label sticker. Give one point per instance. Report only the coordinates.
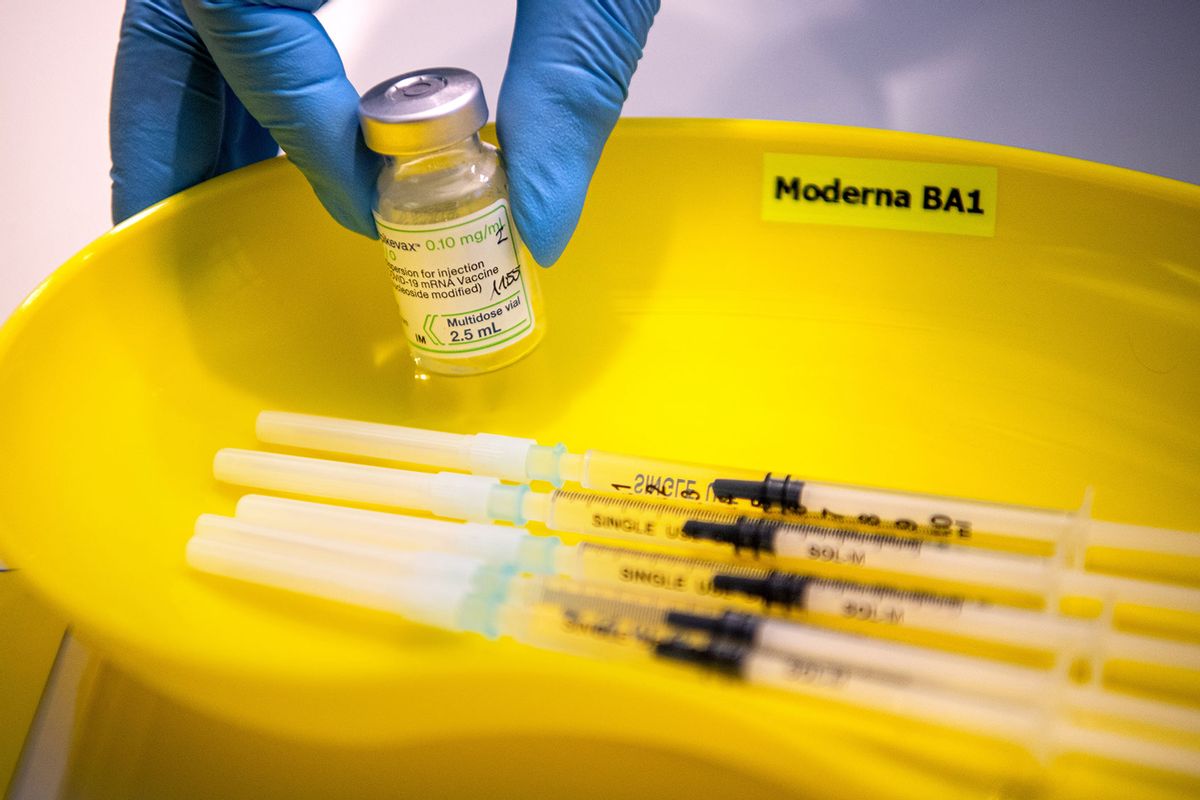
(876, 193)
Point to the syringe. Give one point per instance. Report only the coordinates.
(1068, 534)
(519, 607)
(1041, 727)
(1026, 580)
(918, 666)
(1091, 640)
(758, 589)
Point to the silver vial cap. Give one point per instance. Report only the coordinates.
(422, 111)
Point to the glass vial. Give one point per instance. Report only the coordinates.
(467, 290)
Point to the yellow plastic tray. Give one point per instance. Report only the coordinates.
(1062, 353)
(30, 640)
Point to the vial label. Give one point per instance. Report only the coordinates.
(460, 283)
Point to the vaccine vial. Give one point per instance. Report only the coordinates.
(466, 286)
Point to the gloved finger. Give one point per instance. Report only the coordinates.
(568, 76)
(286, 71)
(173, 122)
(243, 140)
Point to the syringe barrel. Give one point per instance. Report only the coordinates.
(947, 614)
(1042, 731)
(1028, 574)
(1025, 574)
(627, 518)
(951, 615)
(912, 665)
(822, 677)
(567, 615)
(655, 477)
(928, 515)
(956, 518)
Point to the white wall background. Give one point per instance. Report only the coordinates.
(1108, 80)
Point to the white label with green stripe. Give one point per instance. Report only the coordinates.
(460, 283)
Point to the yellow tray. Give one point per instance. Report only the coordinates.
(1061, 353)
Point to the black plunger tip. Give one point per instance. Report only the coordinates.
(739, 584)
(693, 622)
(726, 657)
(730, 625)
(730, 489)
(771, 491)
(776, 588)
(710, 531)
(679, 650)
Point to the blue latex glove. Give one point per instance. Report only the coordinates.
(195, 78)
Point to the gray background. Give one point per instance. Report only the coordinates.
(1104, 80)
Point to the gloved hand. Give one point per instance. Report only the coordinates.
(205, 86)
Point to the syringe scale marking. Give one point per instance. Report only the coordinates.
(762, 535)
(633, 504)
(858, 537)
(882, 592)
(677, 560)
(583, 600)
